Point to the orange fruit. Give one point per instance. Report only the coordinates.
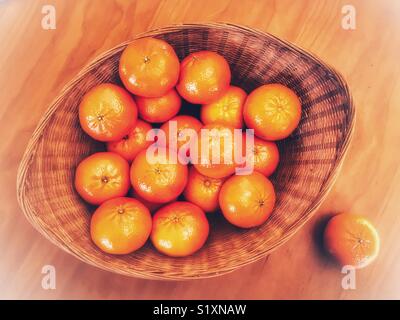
(273, 111)
(120, 225)
(157, 178)
(107, 112)
(149, 67)
(352, 240)
(102, 176)
(179, 229)
(226, 110)
(182, 122)
(152, 206)
(204, 77)
(159, 109)
(202, 190)
(264, 156)
(247, 201)
(131, 144)
(217, 137)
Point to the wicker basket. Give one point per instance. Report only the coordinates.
(310, 158)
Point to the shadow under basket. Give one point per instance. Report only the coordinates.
(310, 157)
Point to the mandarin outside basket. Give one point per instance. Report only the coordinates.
(310, 157)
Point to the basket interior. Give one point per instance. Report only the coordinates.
(309, 157)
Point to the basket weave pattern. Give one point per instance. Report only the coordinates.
(310, 158)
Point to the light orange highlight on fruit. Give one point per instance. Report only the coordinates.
(120, 225)
(107, 112)
(149, 67)
(182, 122)
(273, 111)
(226, 110)
(247, 201)
(179, 229)
(352, 240)
(159, 109)
(161, 181)
(264, 156)
(204, 77)
(218, 138)
(102, 176)
(202, 190)
(135, 141)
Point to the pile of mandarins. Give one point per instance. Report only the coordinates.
(156, 156)
(142, 173)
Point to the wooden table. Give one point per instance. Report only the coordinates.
(36, 63)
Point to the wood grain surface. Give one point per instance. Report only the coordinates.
(36, 63)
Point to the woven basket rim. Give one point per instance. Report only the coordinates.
(45, 120)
